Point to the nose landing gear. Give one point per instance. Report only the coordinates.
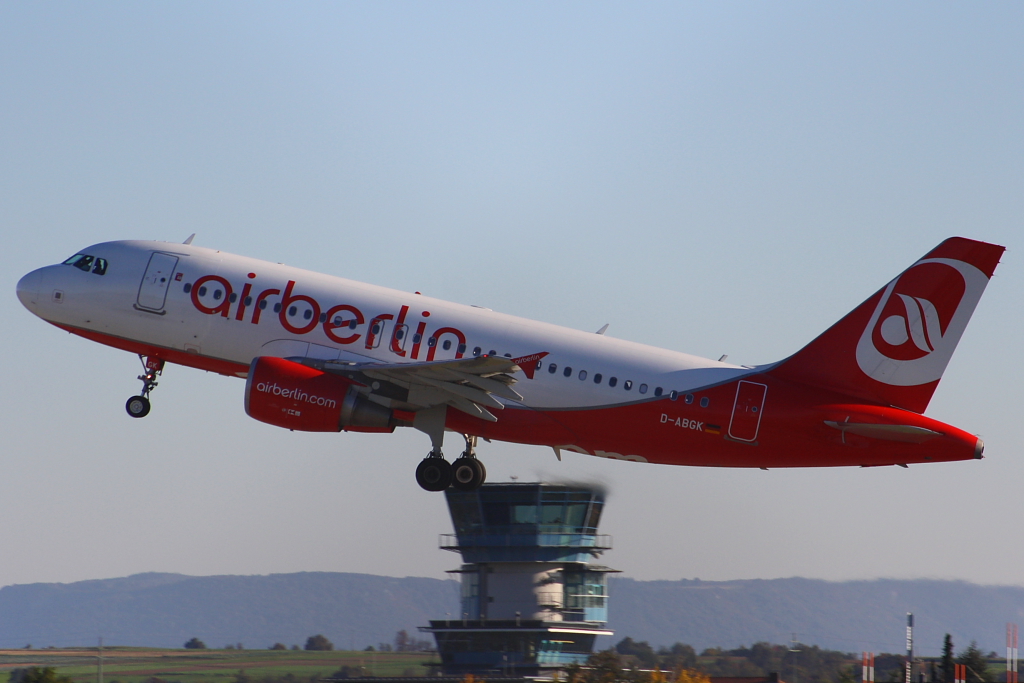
(139, 406)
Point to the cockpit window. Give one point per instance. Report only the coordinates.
(80, 261)
(88, 263)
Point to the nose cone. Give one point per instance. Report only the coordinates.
(28, 289)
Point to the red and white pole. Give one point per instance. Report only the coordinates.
(867, 667)
(1011, 653)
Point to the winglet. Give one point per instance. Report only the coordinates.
(189, 239)
(528, 364)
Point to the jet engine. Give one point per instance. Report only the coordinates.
(287, 394)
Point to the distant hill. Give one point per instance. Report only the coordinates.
(355, 610)
(852, 616)
(165, 610)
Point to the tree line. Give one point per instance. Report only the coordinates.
(403, 643)
(631, 661)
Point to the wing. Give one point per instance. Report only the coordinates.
(472, 385)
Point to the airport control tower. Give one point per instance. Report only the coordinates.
(531, 599)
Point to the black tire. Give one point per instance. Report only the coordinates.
(137, 406)
(434, 474)
(468, 474)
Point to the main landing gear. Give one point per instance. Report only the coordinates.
(434, 473)
(138, 406)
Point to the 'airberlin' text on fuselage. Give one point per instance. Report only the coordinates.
(301, 314)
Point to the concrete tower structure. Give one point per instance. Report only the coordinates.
(531, 599)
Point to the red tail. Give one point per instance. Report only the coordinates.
(894, 347)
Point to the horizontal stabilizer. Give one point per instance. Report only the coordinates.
(901, 433)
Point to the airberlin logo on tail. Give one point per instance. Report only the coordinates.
(919, 321)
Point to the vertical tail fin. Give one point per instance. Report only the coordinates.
(894, 347)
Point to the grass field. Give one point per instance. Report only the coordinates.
(136, 665)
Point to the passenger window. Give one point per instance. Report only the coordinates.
(492, 353)
(277, 306)
(202, 291)
(597, 378)
(187, 288)
(398, 337)
(461, 349)
(612, 381)
(705, 401)
(292, 310)
(673, 395)
(416, 338)
(643, 388)
(657, 391)
(217, 294)
(233, 298)
(508, 355)
(101, 267)
(263, 305)
(689, 398)
(583, 374)
(552, 368)
(567, 372)
(432, 341)
(354, 324)
(307, 314)
(477, 351)
(323, 316)
(627, 385)
(447, 344)
(248, 302)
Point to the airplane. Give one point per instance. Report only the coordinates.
(320, 353)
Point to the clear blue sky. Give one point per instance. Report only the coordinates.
(712, 178)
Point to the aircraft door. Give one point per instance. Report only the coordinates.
(153, 290)
(746, 411)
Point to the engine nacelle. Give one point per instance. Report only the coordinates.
(286, 394)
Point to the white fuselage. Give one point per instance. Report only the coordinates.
(109, 305)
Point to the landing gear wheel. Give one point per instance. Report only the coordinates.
(434, 474)
(468, 474)
(137, 406)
